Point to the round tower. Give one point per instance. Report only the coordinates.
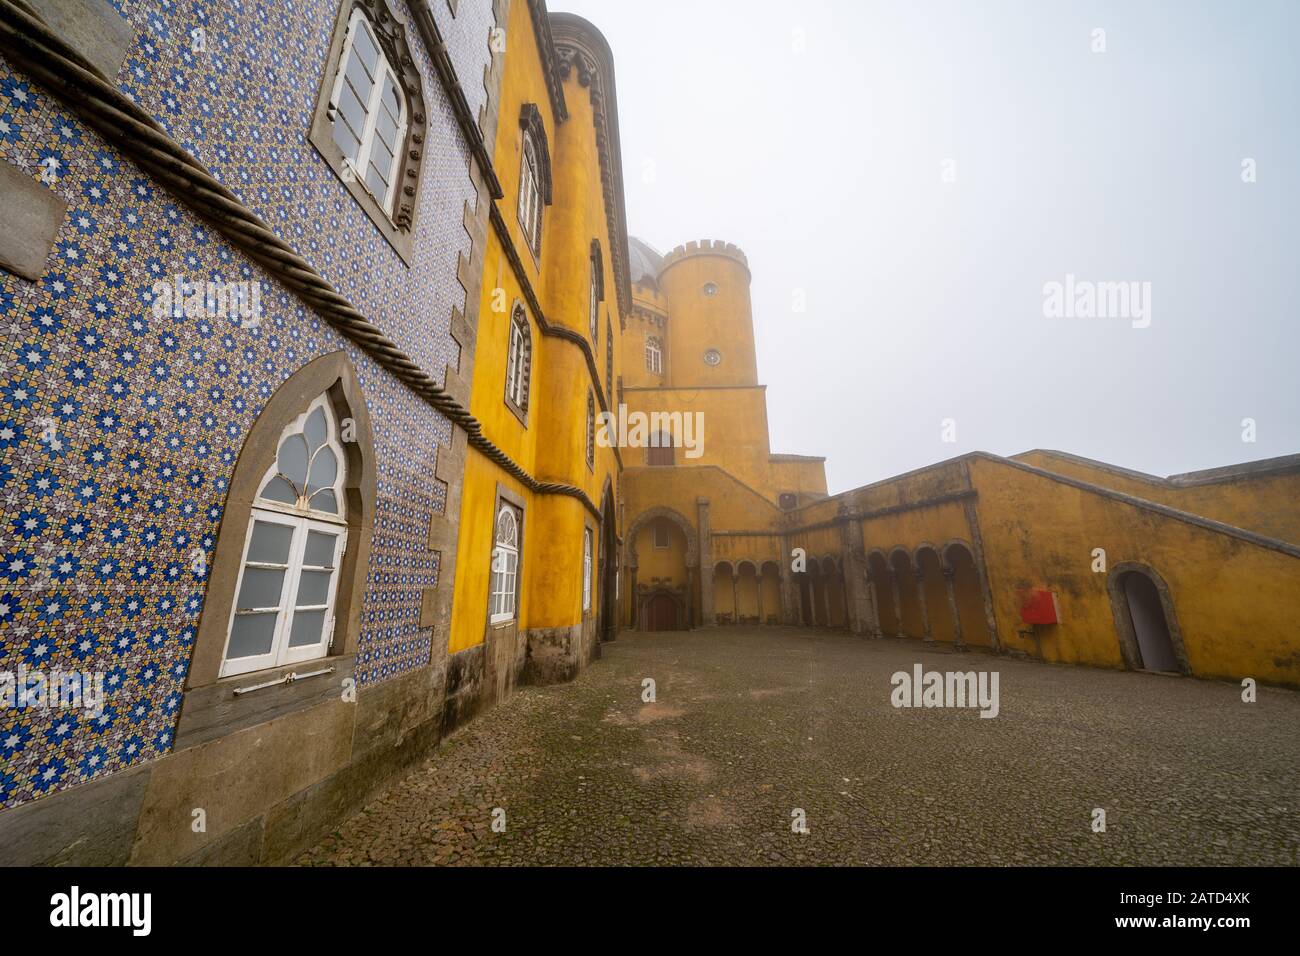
(711, 341)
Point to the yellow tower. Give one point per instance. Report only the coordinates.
(711, 339)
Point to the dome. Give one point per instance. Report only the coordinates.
(644, 262)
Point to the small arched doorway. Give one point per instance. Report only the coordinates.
(661, 613)
(1143, 609)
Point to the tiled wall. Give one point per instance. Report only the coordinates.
(103, 511)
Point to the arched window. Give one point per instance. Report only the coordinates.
(505, 567)
(591, 429)
(654, 354)
(288, 579)
(660, 451)
(534, 176)
(586, 569)
(519, 360)
(370, 117)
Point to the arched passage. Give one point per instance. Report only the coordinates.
(836, 609)
(968, 595)
(770, 589)
(937, 610)
(1143, 608)
(724, 592)
(908, 601)
(882, 582)
(747, 593)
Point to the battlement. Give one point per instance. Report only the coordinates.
(705, 247)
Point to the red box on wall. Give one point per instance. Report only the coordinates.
(1038, 606)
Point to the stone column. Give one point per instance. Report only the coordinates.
(760, 597)
(898, 601)
(708, 617)
(691, 575)
(789, 587)
(948, 576)
(877, 632)
(735, 595)
(857, 595)
(925, 613)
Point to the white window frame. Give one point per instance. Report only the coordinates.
(501, 552)
(530, 194)
(586, 569)
(383, 73)
(654, 355)
(302, 520)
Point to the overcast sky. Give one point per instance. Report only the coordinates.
(817, 136)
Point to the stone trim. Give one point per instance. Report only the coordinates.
(30, 218)
(93, 28)
(651, 514)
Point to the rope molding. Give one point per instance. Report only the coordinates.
(28, 41)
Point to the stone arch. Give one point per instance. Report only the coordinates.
(748, 597)
(938, 613)
(882, 581)
(769, 582)
(652, 514)
(967, 593)
(724, 592)
(1123, 615)
(333, 375)
(912, 621)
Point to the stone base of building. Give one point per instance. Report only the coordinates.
(263, 794)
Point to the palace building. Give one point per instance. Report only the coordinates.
(314, 318)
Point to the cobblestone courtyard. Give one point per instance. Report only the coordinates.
(750, 724)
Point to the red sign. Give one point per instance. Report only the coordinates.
(1038, 606)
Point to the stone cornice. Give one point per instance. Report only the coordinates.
(550, 62)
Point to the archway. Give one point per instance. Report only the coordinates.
(662, 613)
(969, 595)
(817, 593)
(882, 581)
(1143, 608)
(936, 594)
(607, 576)
(909, 603)
(724, 592)
(770, 589)
(657, 560)
(837, 612)
(747, 593)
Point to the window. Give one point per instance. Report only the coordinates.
(661, 535)
(530, 198)
(285, 594)
(586, 569)
(370, 118)
(789, 500)
(519, 360)
(502, 589)
(712, 357)
(654, 354)
(609, 360)
(534, 177)
(368, 111)
(591, 429)
(710, 288)
(660, 452)
(596, 295)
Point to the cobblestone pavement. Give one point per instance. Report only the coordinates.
(751, 724)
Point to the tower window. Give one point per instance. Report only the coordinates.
(710, 288)
(712, 357)
(788, 500)
(654, 355)
(660, 535)
(596, 295)
(534, 177)
(660, 452)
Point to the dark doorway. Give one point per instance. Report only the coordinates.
(661, 613)
(1150, 627)
(607, 626)
(805, 599)
(660, 452)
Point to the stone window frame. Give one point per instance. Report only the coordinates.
(519, 321)
(397, 226)
(209, 706)
(609, 358)
(534, 137)
(654, 354)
